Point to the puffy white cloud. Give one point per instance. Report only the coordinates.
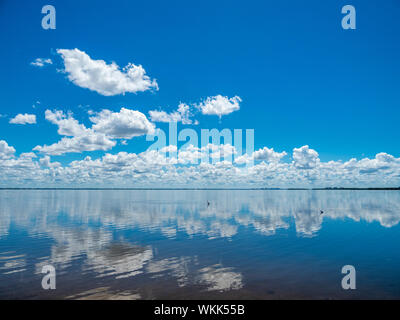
(215, 153)
(263, 154)
(382, 162)
(105, 79)
(219, 105)
(305, 158)
(41, 62)
(162, 116)
(268, 155)
(170, 148)
(107, 127)
(125, 124)
(27, 155)
(190, 155)
(24, 119)
(45, 161)
(183, 115)
(244, 159)
(82, 138)
(67, 125)
(90, 141)
(6, 151)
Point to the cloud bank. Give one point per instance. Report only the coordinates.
(209, 166)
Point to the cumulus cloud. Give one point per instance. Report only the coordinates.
(268, 155)
(27, 155)
(6, 151)
(263, 154)
(170, 148)
(210, 152)
(305, 158)
(105, 79)
(79, 138)
(46, 162)
(219, 105)
(182, 114)
(24, 119)
(107, 127)
(381, 162)
(67, 125)
(41, 62)
(90, 141)
(125, 124)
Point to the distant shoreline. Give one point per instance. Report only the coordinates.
(286, 189)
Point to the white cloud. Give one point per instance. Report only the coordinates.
(24, 119)
(125, 124)
(305, 158)
(170, 148)
(263, 154)
(244, 159)
(268, 155)
(41, 62)
(67, 125)
(90, 141)
(210, 152)
(183, 115)
(107, 127)
(219, 105)
(45, 161)
(83, 139)
(382, 162)
(105, 79)
(6, 151)
(27, 155)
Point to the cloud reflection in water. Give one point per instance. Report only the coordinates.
(124, 234)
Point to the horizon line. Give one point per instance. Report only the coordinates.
(148, 188)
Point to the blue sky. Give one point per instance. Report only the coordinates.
(302, 79)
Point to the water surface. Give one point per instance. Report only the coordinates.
(199, 244)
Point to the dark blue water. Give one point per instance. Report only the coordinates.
(172, 244)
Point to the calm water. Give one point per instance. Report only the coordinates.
(173, 245)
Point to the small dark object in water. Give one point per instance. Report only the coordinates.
(321, 212)
(208, 203)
